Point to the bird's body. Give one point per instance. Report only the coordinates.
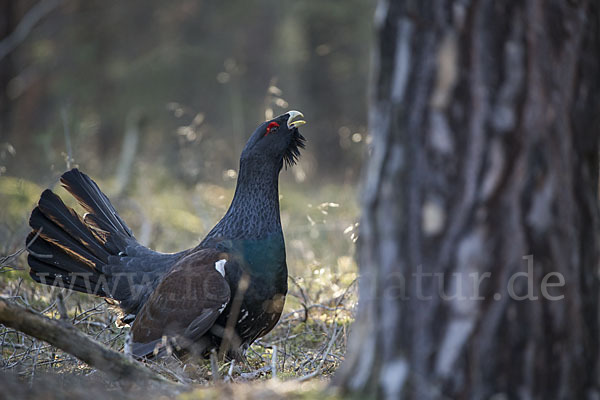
(224, 293)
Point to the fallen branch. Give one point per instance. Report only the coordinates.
(65, 336)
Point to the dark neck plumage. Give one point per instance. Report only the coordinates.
(254, 210)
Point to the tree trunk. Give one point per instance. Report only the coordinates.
(479, 237)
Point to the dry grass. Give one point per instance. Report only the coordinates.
(309, 342)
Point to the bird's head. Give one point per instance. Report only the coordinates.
(276, 141)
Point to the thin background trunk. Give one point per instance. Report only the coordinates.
(6, 64)
(485, 122)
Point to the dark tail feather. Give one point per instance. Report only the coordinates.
(50, 272)
(94, 201)
(70, 225)
(70, 251)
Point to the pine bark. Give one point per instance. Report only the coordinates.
(479, 194)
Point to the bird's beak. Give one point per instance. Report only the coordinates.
(293, 115)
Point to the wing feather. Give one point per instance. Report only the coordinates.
(186, 303)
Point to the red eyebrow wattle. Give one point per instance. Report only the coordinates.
(271, 126)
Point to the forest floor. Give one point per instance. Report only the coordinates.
(303, 350)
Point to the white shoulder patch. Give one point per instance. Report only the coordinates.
(220, 266)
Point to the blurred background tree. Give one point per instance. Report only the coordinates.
(196, 76)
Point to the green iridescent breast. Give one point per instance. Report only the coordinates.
(259, 257)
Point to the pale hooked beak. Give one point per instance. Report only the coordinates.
(293, 115)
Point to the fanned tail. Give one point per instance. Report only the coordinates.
(71, 251)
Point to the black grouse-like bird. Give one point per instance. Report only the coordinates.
(224, 293)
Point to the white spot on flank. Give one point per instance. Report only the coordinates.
(224, 304)
(220, 267)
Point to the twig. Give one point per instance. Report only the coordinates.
(230, 371)
(159, 367)
(11, 257)
(274, 363)
(127, 346)
(255, 374)
(251, 349)
(60, 305)
(37, 353)
(329, 346)
(305, 298)
(214, 366)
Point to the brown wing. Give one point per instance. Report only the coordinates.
(185, 303)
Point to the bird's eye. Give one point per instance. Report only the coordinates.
(272, 128)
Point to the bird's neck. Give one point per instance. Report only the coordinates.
(254, 210)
